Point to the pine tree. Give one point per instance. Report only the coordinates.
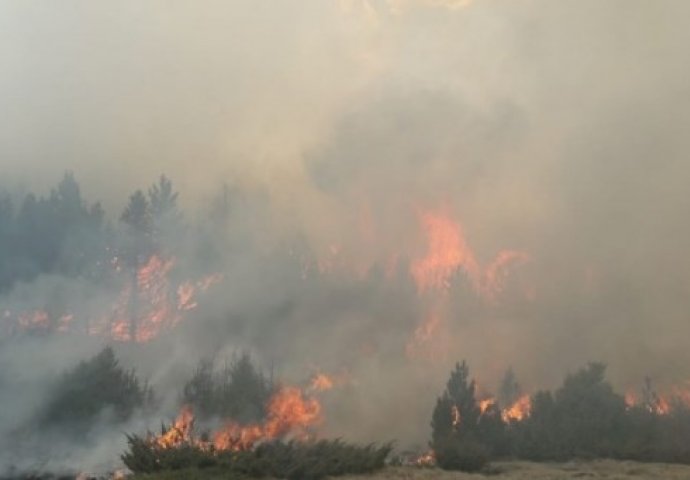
(137, 216)
(455, 423)
(92, 387)
(165, 215)
(509, 391)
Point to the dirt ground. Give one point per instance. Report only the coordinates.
(600, 469)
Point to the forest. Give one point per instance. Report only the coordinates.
(236, 418)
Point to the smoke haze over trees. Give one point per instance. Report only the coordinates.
(372, 188)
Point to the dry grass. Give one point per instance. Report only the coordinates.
(600, 469)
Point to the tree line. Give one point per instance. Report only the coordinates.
(65, 234)
(583, 418)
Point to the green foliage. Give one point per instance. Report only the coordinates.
(492, 432)
(211, 473)
(535, 438)
(457, 412)
(163, 199)
(137, 213)
(64, 235)
(144, 456)
(58, 234)
(584, 418)
(509, 390)
(240, 391)
(92, 387)
(464, 454)
(292, 460)
(658, 438)
(462, 437)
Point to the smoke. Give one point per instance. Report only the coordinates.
(556, 129)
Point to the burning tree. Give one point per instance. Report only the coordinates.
(455, 424)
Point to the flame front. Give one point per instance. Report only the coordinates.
(180, 431)
(147, 304)
(290, 414)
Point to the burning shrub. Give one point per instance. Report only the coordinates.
(146, 457)
(92, 387)
(240, 391)
(281, 445)
(296, 460)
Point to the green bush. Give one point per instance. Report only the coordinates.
(214, 473)
(462, 436)
(292, 460)
(239, 391)
(584, 418)
(89, 389)
(464, 454)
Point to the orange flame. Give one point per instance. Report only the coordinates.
(147, 304)
(321, 382)
(185, 295)
(484, 405)
(497, 271)
(630, 400)
(37, 319)
(422, 343)
(290, 413)
(152, 305)
(663, 403)
(428, 459)
(518, 411)
(180, 431)
(448, 251)
(455, 414)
